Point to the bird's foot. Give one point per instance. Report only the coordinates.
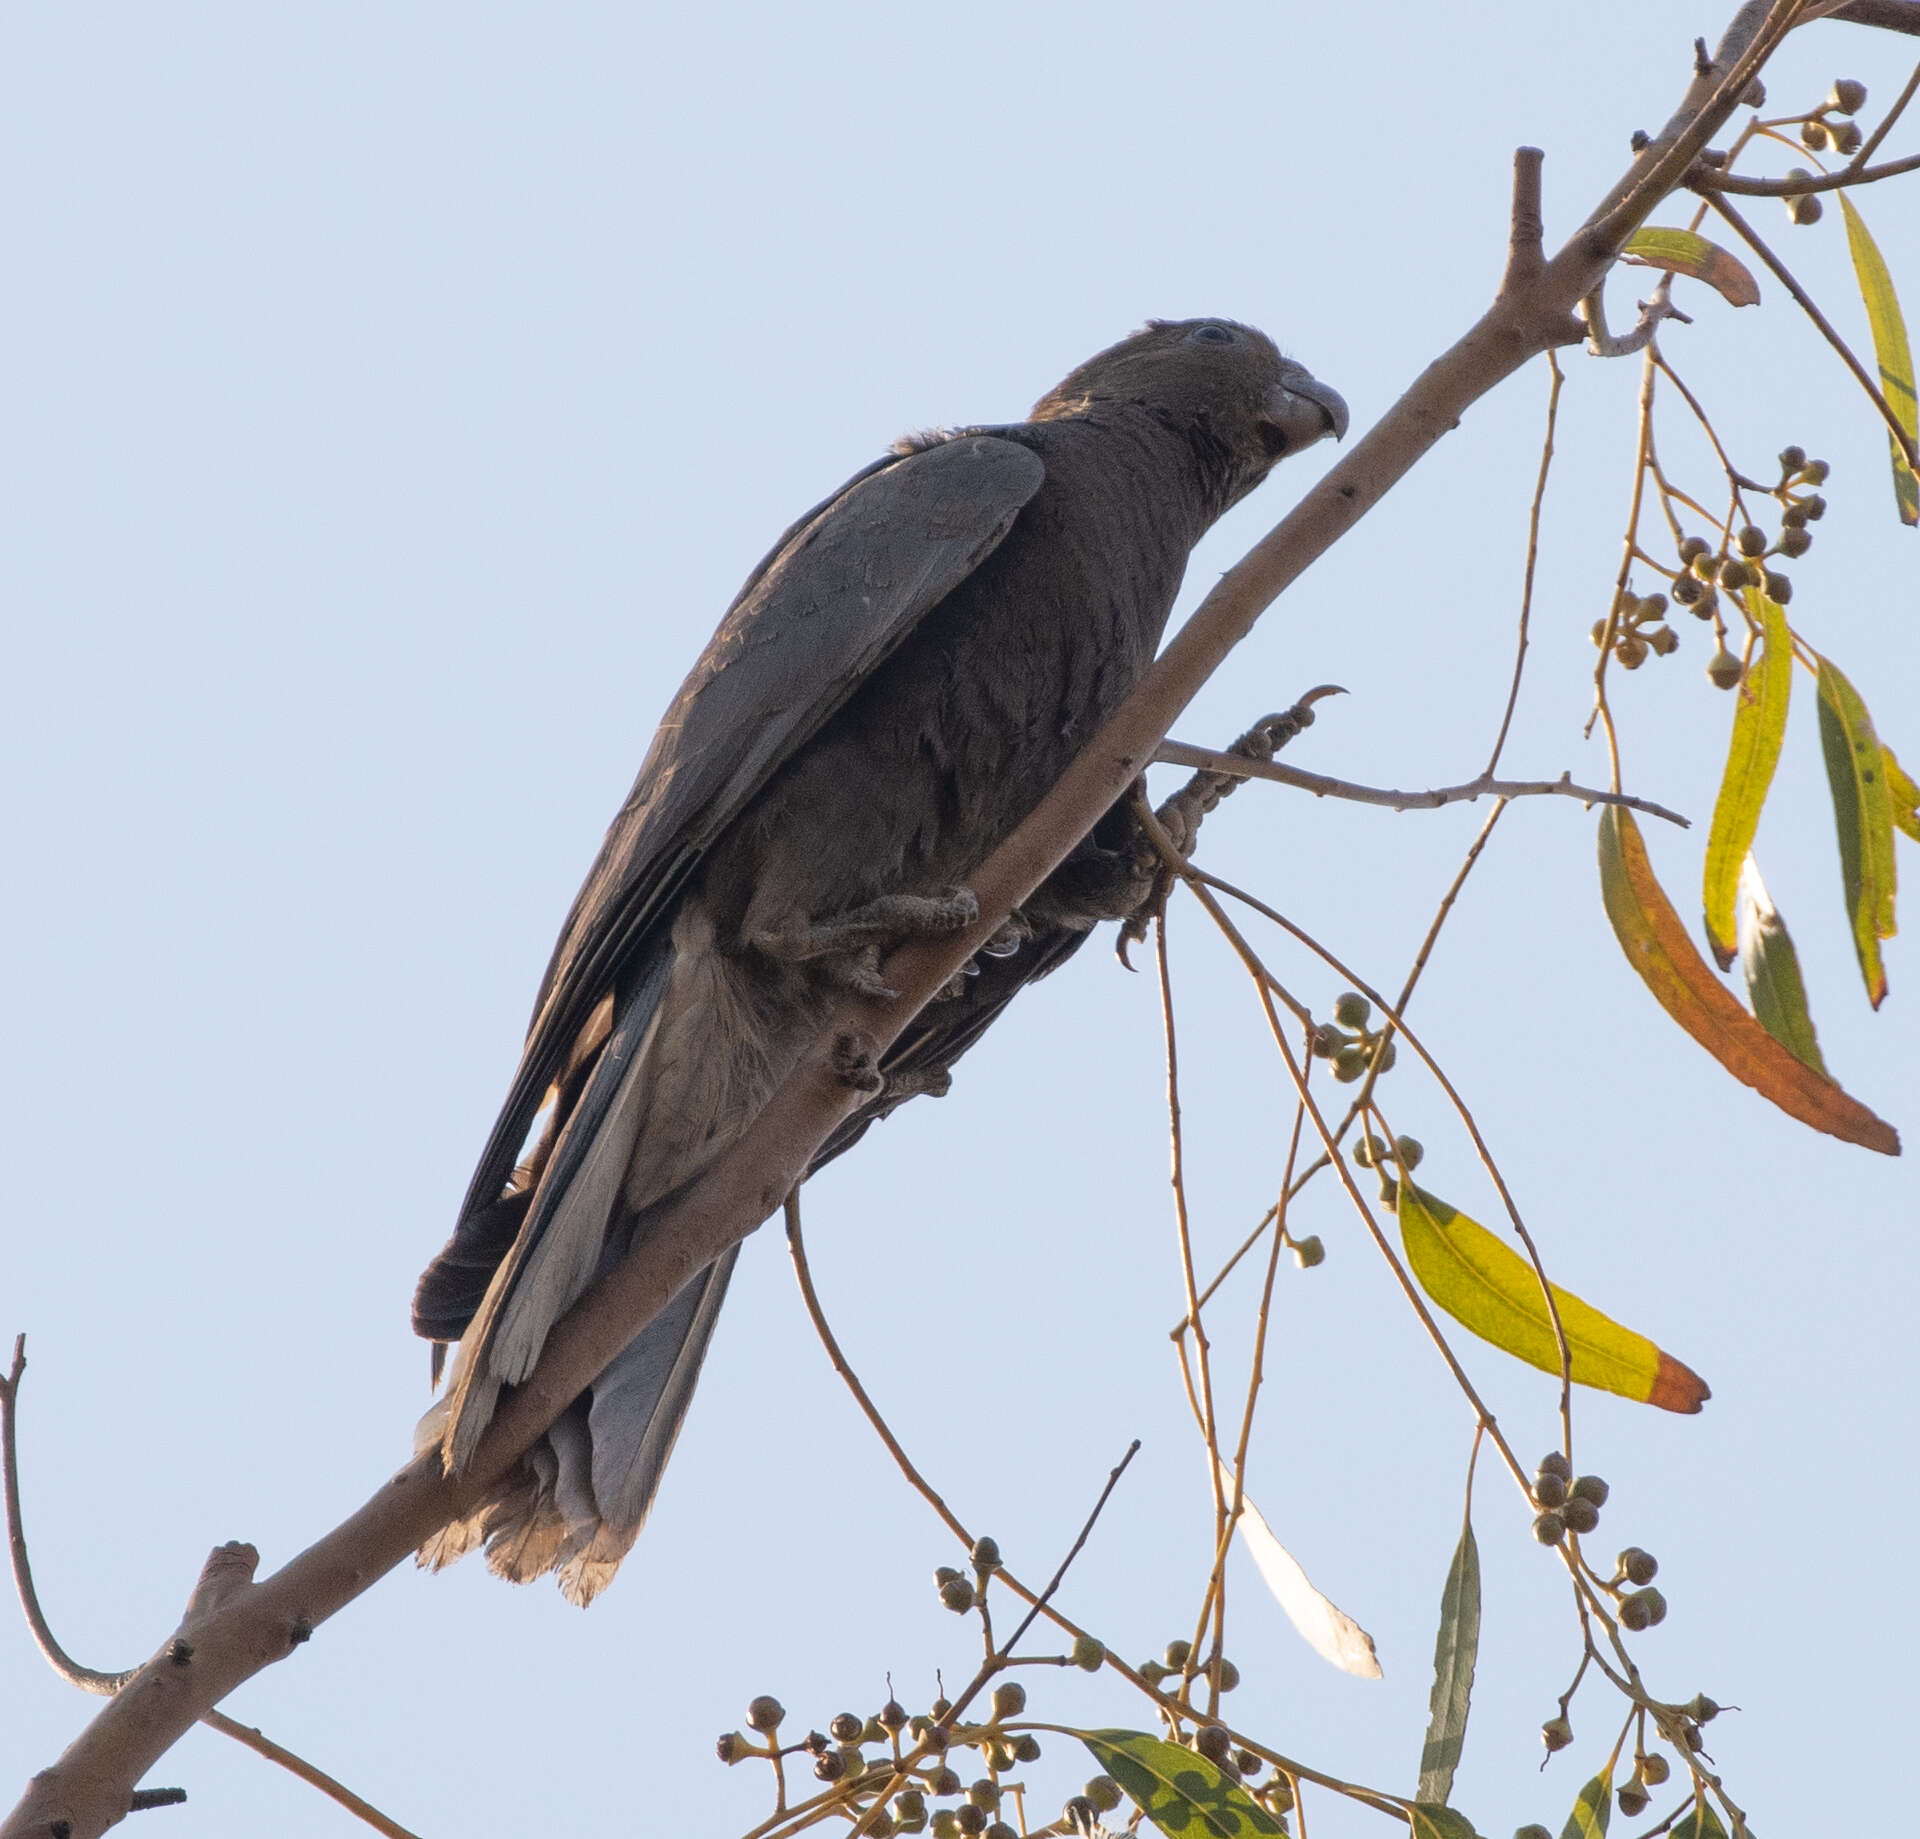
(855, 1063)
(879, 922)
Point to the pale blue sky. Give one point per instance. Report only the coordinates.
(399, 396)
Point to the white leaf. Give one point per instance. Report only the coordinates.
(1332, 1634)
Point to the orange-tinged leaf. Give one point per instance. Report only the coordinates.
(1890, 348)
(1658, 948)
(1759, 725)
(1682, 252)
(1485, 1285)
(1904, 793)
(1862, 818)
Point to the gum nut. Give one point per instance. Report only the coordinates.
(844, 1727)
(940, 1707)
(1656, 1605)
(1556, 1733)
(1692, 546)
(1533, 1830)
(1350, 1063)
(1779, 588)
(1653, 606)
(1805, 209)
(893, 1715)
(1633, 1800)
(1686, 590)
(1151, 1671)
(1078, 1815)
(1705, 566)
(999, 1829)
(880, 1824)
(1849, 96)
(1279, 1794)
(815, 1743)
(1752, 540)
(945, 1824)
(1247, 1763)
(1410, 1151)
(909, 1804)
(1792, 459)
(1814, 136)
(1352, 1010)
(1554, 1463)
(958, 1595)
(1026, 1748)
(1387, 1055)
(1177, 1655)
(945, 1574)
(1723, 669)
(1592, 1488)
(1226, 1675)
(765, 1713)
(970, 1818)
(1664, 639)
(1734, 573)
(946, 1782)
(830, 1767)
(1847, 138)
(1010, 1700)
(1104, 1792)
(1327, 1041)
(873, 1731)
(1549, 1528)
(1654, 1769)
(1369, 1151)
(1795, 542)
(1814, 505)
(984, 1794)
(1213, 1743)
(1580, 1516)
(1089, 1655)
(986, 1554)
(1643, 1609)
(1701, 1709)
(731, 1747)
(1549, 1490)
(1794, 517)
(1309, 1251)
(1631, 651)
(1638, 1566)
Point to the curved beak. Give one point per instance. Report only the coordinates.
(1303, 409)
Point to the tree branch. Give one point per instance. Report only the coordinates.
(90, 1787)
(1707, 179)
(1179, 753)
(1888, 15)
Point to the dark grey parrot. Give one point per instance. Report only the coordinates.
(912, 666)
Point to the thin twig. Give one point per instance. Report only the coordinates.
(1707, 180)
(1533, 557)
(1901, 438)
(1181, 753)
(106, 1685)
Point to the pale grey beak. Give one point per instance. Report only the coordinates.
(1303, 409)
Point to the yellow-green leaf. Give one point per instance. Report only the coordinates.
(1904, 793)
(1863, 818)
(1682, 252)
(1700, 1822)
(1429, 1820)
(1178, 1789)
(1772, 966)
(1589, 1817)
(1485, 1285)
(1658, 948)
(1759, 724)
(1891, 349)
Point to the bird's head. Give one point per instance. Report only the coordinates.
(1223, 384)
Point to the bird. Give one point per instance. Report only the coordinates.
(898, 683)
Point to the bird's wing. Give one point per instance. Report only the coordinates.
(832, 599)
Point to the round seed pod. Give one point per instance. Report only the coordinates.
(1089, 1655)
(1370, 1152)
(1532, 1830)
(1735, 574)
(1151, 1671)
(873, 1731)
(1752, 540)
(945, 1824)
(844, 1727)
(1654, 1769)
(1633, 1799)
(1178, 1654)
(1848, 97)
(1795, 541)
(958, 1595)
(1104, 1792)
(944, 1783)
(1701, 1709)
(945, 1574)
(1078, 1814)
(1213, 1743)
(1806, 208)
(986, 1554)
(999, 1829)
(970, 1819)
(984, 1794)
(893, 1715)
(1791, 460)
(1549, 1490)
(1723, 669)
(1847, 137)
(1638, 1566)
(1026, 1747)
(1009, 1700)
(1779, 588)
(1388, 1054)
(1553, 1463)
(765, 1713)
(1814, 136)
(1549, 1528)
(1592, 1488)
(830, 1767)
(1309, 1251)
(1643, 1609)
(1352, 1010)
(1815, 472)
(1556, 1734)
(1350, 1063)
(880, 1824)
(1694, 547)
(1631, 651)
(909, 1804)
(1581, 1516)
(1225, 1675)
(1686, 590)
(1652, 607)
(1247, 1763)
(731, 1747)
(1664, 640)
(1410, 1151)
(815, 1743)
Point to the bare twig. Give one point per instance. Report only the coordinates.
(1180, 753)
(1709, 179)
(1533, 557)
(1888, 15)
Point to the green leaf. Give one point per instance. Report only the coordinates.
(1178, 1789)
(1772, 967)
(1455, 1649)
(1682, 252)
(1904, 793)
(1488, 1287)
(1701, 1822)
(1863, 817)
(1658, 948)
(1759, 723)
(1890, 348)
(1591, 1811)
(1431, 1821)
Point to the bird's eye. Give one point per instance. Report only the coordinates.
(1210, 335)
